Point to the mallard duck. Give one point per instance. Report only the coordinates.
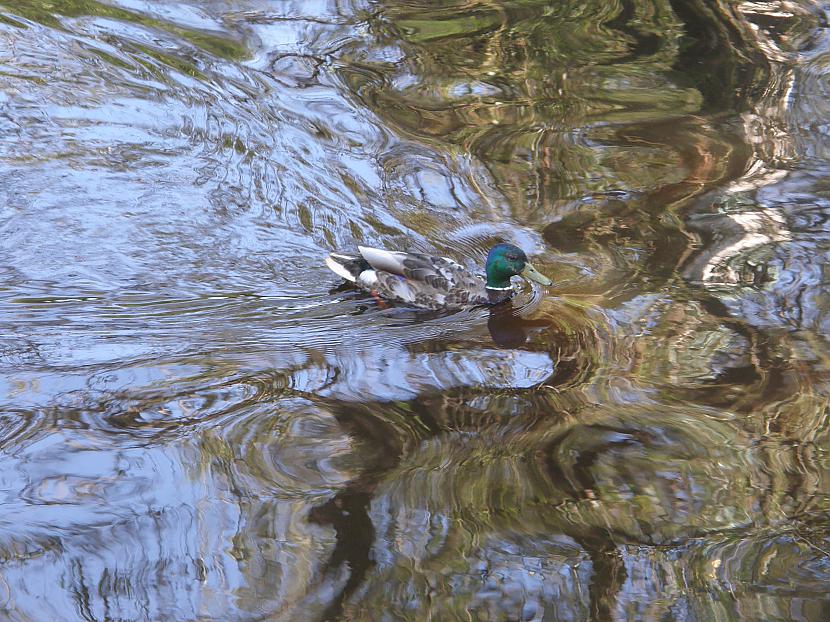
(434, 282)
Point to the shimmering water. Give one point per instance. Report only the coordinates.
(199, 423)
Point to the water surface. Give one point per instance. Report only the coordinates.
(199, 423)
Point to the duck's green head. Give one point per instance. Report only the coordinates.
(506, 260)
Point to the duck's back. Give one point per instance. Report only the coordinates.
(430, 283)
(412, 278)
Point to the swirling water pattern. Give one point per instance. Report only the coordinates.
(199, 422)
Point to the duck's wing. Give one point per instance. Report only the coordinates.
(421, 280)
(438, 272)
(388, 261)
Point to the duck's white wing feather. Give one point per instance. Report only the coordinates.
(388, 261)
(415, 266)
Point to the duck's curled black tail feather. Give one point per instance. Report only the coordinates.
(347, 266)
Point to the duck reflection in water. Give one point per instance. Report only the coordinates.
(508, 329)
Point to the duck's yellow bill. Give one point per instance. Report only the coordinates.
(532, 274)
